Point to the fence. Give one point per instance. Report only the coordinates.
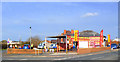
(23, 51)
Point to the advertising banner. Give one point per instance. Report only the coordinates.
(83, 44)
(101, 37)
(97, 43)
(76, 35)
(95, 38)
(91, 44)
(108, 37)
(84, 38)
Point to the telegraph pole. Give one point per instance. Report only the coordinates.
(30, 37)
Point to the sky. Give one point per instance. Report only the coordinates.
(51, 18)
(60, 0)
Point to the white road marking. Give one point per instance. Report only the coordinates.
(62, 53)
(70, 57)
(82, 56)
(96, 58)
(10, 59)
(23, 59)
(17, 59)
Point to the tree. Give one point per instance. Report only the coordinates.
(35, 40)
(4, 44)
(4, 41)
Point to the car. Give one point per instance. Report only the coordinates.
(73, 46)
(113, 46)
(53, 46)
(41, 46)
(119, 45)
(26, 46)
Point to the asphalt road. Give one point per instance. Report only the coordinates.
(104, 55)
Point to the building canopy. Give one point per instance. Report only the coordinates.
(56, 37)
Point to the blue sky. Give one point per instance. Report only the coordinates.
(51, 18)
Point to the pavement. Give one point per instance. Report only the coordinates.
(103, 55)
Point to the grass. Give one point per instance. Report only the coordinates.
(3, 49)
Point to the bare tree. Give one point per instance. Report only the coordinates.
(35, 40)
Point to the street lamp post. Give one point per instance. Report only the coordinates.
(30, 37)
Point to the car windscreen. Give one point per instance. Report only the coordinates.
(113, 44)
(53, 45)
(25, 45)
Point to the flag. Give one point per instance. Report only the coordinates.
(101, 37)
(108, 37)
(8, 40)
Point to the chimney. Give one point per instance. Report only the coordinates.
(61, 38)
(72, 31)
(61, 34)
(64, 31)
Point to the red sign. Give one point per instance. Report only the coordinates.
(101, 37)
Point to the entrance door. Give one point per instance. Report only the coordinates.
(75, 43)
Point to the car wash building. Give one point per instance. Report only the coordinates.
(75, 41)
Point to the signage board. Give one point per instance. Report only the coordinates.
(83, 44)
(84, 38)
(76, 35)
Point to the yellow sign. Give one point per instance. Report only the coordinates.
(94, 37)
(108, 37)
(75, 35)
(84, 38)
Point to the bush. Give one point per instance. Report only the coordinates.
(4, 46)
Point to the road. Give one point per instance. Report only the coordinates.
(104, 55)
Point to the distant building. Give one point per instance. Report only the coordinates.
(116, 39)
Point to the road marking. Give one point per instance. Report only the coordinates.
(23, 59)
(84, 55)
(10, 59)
(90, 54)
(70, 57)
(62, 53)
(96, 58)
(17, 59)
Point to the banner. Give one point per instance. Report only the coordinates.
(83, 44)
(75, 35)
(108, 37)
(94, 38)
(101, 37)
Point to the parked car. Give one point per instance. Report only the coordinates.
(119, 45)
(73, 46)
(114, 46)
(41, 45)
(26, 46)
(53, 46)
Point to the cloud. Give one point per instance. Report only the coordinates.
(90, 14)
